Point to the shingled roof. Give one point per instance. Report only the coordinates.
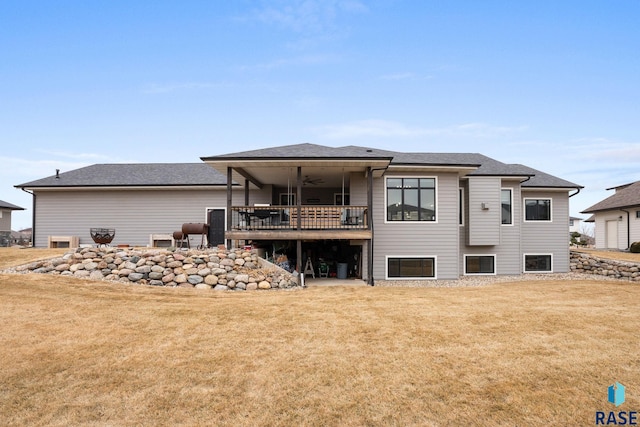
(202, 174)
(7, 205)
(134, 175)
(626, 196)
(486, 166)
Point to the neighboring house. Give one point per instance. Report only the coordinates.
(617, 218)
(366, 212)
(5, 222)
(22, 237)
(575, 224)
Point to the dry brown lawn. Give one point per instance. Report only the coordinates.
(621, 256)
(76, 352)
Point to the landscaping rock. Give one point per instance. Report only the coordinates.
(208, 269)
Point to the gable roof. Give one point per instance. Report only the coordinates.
(133, 175)
(202, 174)
(484, 166)
(626, 196)
(9, 206)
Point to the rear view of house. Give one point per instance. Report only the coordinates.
(363, 212)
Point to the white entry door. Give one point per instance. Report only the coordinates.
(612, 234)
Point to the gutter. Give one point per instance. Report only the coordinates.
(576, 193)
(33, 217)
(370, 209)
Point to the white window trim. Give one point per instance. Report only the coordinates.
(524, 263)
(435, 267)
(512, 208)
(495, 265)
(384, 207)
(537, 221)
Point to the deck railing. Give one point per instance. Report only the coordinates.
(316, 217)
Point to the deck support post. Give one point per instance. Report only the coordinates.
(229, 203)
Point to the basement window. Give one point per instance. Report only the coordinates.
(411, 268)
(537, 263)
(480, 264)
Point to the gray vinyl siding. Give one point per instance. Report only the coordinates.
(358, 189)
(134, 214)
(483, 205)
(543, 237)
(508, 252)
(426, 239)
(358, 197)
(5, 220)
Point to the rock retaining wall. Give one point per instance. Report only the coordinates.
(218, 269)
(588, 264)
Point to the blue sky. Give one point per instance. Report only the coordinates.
(551, 84)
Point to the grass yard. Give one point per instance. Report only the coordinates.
(77, 352)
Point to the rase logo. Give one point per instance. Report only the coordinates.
(615, 396)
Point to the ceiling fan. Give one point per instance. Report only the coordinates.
(310, 181)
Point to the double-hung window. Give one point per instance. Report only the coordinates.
(411, 199)
(537, 209)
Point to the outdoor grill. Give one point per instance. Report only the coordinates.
(102, 236)
(196, 228)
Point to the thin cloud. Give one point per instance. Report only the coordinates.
(385, 128)
(73, 155)
(306, 16)
(405, 76)
(20, 170)
(157, 88)
(297, 61)
(614, 152)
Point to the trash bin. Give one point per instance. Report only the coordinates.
(342, 270)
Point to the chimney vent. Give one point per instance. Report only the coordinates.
(57, 173)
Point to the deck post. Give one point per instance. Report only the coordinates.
(229, 203)
(299, 260)
(299, 224)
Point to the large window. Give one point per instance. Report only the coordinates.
(411, 268)
(507, 206)
(411, 199)
(480, 264)
(537, 209)
(538, 263)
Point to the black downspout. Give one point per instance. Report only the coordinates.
(628, 228)
(33, 217)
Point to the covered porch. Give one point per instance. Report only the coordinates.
(304, 197)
